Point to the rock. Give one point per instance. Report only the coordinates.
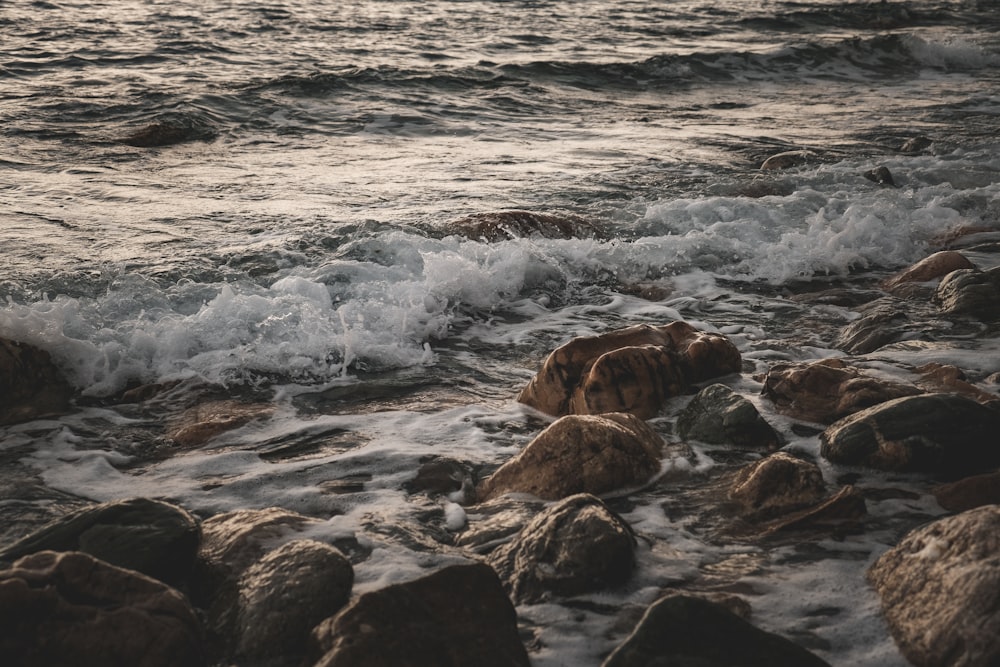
(287, 593)
(969, 493)
(972, 293)
(444, 477)
(719, 416)
(31, 387)
(942, 434)
(915, 145)
(691, 631)
(879, 326)
(576, 546)
(943, 378)
(827, 390)
(787, 160)
(777, 483)
(459, 615)
(840, 513)
(930, 268)
(150, 536)
(62, 609)
(880, 175)
(503, 225)
(940, 590)
(580, 454)
(629, 370)
(199, 424)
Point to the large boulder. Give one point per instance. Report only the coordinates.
(459, 615)
(576, 546)
(630, 370)
(151, 536)
(31, 386)
(942, 434)
(827, 390)
(64, 609)
(285, 594)
(717, 415)
(580, 454)
(940, 591)
(972, 293)
(694, 632)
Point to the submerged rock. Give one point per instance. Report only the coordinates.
(149, 536)
(629, 370)
(972, 293)
(827, 390)
(31, 386)
(880, 175)
(942, 434)
(199, 424)
(969, 493)
(940, 590)
(459, 615)
(878, 326)
(779, 482)
(73, 609)
(686, 630)
(576, 546)
(944, 378)
(840, 513)
(503, 225)
(580, 454)
(719, 416)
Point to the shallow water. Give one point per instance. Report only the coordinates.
(292, 250)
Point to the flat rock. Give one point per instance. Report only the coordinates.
(940, 590)
(629, 370)
(719, 416)
(580, 454)
(694, 632)
(827, 390)
(459, 615)
(63, 609)
(576, 546)
(946, 435)
(31, 387)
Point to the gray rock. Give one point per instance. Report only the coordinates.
(882, 323)
(940, 591)
(684, 631)
(576, 546)
(719, 416)
(457, 616)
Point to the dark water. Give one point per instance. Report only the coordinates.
(289, 239)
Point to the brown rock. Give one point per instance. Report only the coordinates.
(31, 386)
(936, 266)
(969, 493)
(884, 321)
(199, 424)
(841, 513)
(580, 454)
(63, 609)
(630, 370)
(459, 615)
(576, 546)
(940, 590)
(972, 293)
(777, 483)
(942, 378)
(827, 390)
(503, 225)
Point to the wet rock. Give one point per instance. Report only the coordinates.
(915, 145)
(972, 293)
(880, 175)
(940, 590)
(199, 424)
(503, 225)
(880, 325)
(776, 483)
(969, 493)
(459, 615)
(787, 160)
(687, 630)
(827, 390)
(942, 434)
(73, 609)
(31, 386)
(930, 268)
(576, 546)
(444, 477)
(944, 378)
(840, 513)
(150, 536)
(719, 416)
(580, 454)
(630, 370)
(287, 593)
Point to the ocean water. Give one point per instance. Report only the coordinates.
(293, 249)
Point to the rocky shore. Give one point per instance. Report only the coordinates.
(145, 582)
